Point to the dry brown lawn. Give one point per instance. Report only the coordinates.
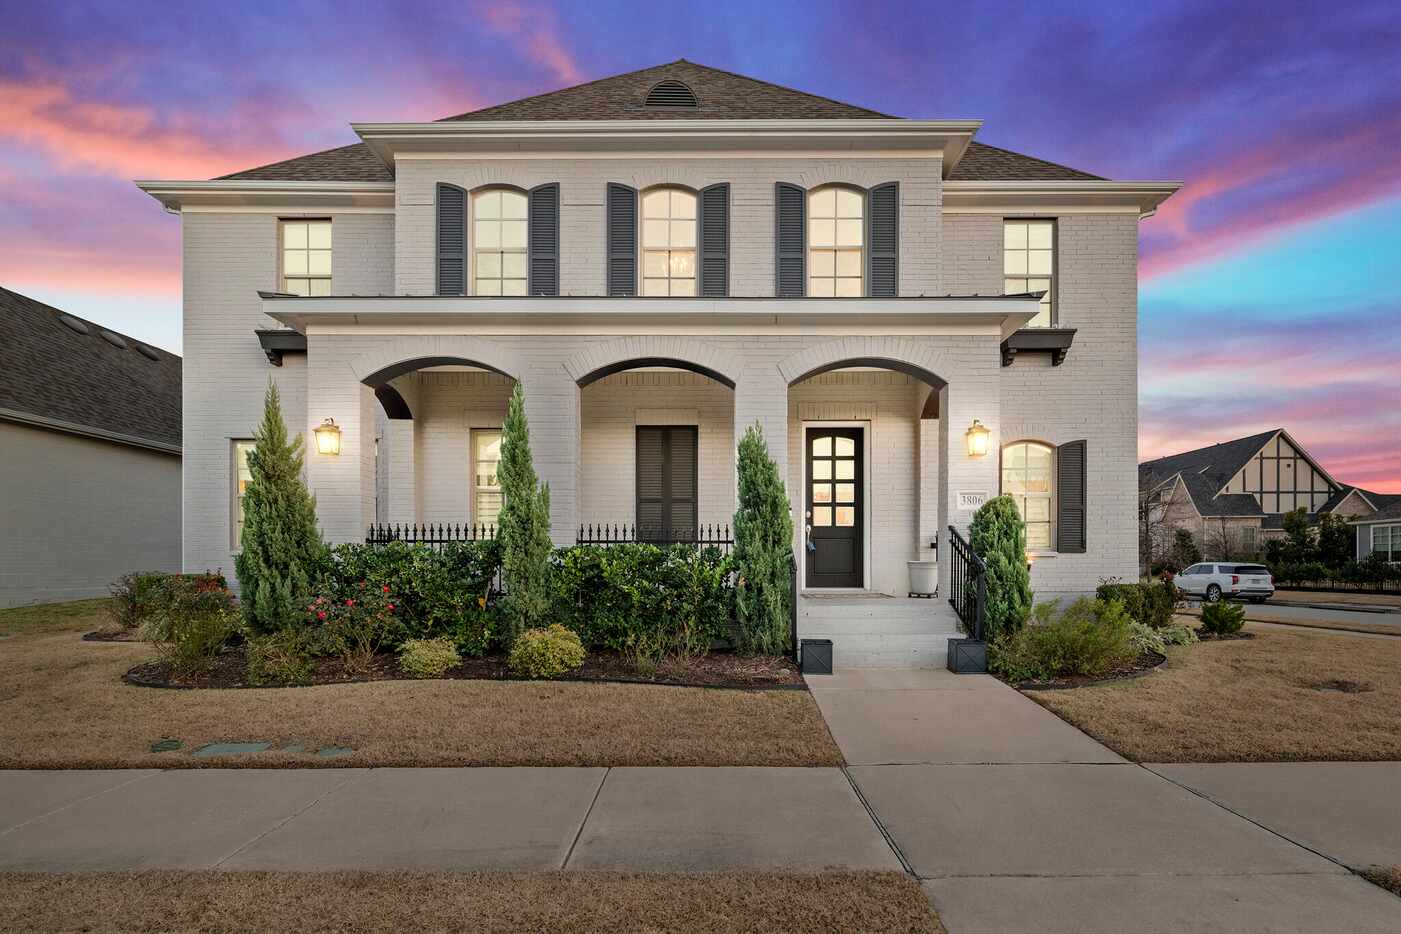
(68, 708)
(412, 901)
(1280, 697)
(1329, 596)
(1388, 877)
(1193, 615)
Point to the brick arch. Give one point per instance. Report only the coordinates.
(604, 359)
(402, 355)
(840, 173)
(893, 353)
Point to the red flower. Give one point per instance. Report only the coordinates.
(391, 608)
(386, 588)
(321, 615)
(350, 603)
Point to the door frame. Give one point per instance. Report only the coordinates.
(866, 437)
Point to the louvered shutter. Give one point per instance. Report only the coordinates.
(1070, 497)
(790, 241)
(544, 240)
(884, 256)
(714, 226)
(622, 239)
(452, 240)
(666, 483)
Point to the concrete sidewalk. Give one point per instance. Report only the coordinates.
(1015, 819)
(520, 818)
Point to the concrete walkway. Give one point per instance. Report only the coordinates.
(1014, 819)
(522, 818)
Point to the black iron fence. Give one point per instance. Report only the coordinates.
(434, 534)
(968, 584)
(716, 536)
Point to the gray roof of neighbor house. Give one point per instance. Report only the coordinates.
(99, 383)
(1206, 470)
(1388, 505)
(720, 95)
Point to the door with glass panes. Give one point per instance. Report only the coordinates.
(834, 512)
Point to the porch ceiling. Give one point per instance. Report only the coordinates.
(1001, 314)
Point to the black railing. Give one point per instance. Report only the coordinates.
(968, 584)
(715, 536)
(433, 534)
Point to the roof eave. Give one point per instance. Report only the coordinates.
(175, 195)
(1050, 195)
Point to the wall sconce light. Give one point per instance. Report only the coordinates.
(328, 437)
(977, 439)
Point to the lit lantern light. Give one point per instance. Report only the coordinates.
(328, 437)
(977, 439)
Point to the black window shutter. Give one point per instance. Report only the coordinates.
(543, 262)
(715, 240)
(622, 239)
(1070, 497)
(452, 240)
(884, 256)
(666, 483)
(790, 241)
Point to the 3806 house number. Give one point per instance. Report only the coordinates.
(971, 500)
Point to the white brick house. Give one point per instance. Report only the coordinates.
(663, 259)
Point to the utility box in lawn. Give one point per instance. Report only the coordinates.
(816, 656)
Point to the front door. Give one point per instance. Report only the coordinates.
(834, 510)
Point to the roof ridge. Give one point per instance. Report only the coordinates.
(784, 87)
(59, 312)
(582, 84)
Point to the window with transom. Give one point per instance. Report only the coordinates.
(836, 242)
(669, 242)
(499, 242)
(1028, 471)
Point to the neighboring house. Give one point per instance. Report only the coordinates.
(665, 258)
(89, 455)
(1233, 496)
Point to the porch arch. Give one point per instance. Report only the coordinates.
(600, 360)
(898, 354)
(402, 355)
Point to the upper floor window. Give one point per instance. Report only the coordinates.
(669, 242)
(836, 242)
(306, 257)
(499, 242)
(1029, 263)
(1028, 477)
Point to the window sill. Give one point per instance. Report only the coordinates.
(1038, 555)
(1054, 341)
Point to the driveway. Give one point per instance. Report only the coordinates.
(1013, 819)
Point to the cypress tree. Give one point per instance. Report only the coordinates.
(763, 550)
(282, 548)
(998, 536)
(524, 527)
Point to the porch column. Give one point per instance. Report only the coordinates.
(343, 484)
(552, 409)
(973, 395)
(761, 396)
(928, 494)
(403, 471)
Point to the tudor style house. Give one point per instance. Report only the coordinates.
(916, 320)
(1232, 497)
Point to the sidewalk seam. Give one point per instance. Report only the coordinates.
(77, 801)
(598, 792)
(880, 825)
(290, 817)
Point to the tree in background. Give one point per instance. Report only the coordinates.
(1299, 541)
(1184, 549)
(524, 527)
(282, 548)
(1337, 541)
(998, 536)
(763, 550)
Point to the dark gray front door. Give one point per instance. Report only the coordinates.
(834, 510)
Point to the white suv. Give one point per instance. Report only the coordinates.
(1213, 581)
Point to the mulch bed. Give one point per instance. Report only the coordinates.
(717, 670)
(1147, 663)
(113, 635)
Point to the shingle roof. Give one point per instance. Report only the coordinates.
(54, 373)
(984, 163)
(1388, 505)
(1206, 470)
(723, 95)
(353, 163)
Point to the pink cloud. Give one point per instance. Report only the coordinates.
(535, 30)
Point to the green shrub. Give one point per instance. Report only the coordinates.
(1223, 619)
(675, 600)
(524, 525)
(1177, 634)
(194, 620)
(282, 553)
(427, 658)
(354, 624)
(1150, 603)
(1089, 637)
(763, 550)
(283, 657)
(998, 536)
(1146, 638)
(546, 653)
(135, 597)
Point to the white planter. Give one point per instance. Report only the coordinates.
(924, 576)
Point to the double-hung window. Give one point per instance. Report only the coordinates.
(306, 257)
(1029, 264)
(242, 476)
(836, 242)
(486, 482)
(499, 242)
(669, 242)
(1386, 542)
(1028, 476)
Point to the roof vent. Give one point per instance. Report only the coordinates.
(148, 353)
(73, 324)
(671, 93)
(114, 339)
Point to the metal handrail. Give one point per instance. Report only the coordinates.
(968, 584)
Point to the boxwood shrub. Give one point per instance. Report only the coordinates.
(1150, 603)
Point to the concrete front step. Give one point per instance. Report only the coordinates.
(888, 651)
(927, 625)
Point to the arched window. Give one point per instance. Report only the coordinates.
(669, 242)
(498, 242)
(836, 242)
(1028, 472)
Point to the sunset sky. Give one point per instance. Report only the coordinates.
(1270, 285)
